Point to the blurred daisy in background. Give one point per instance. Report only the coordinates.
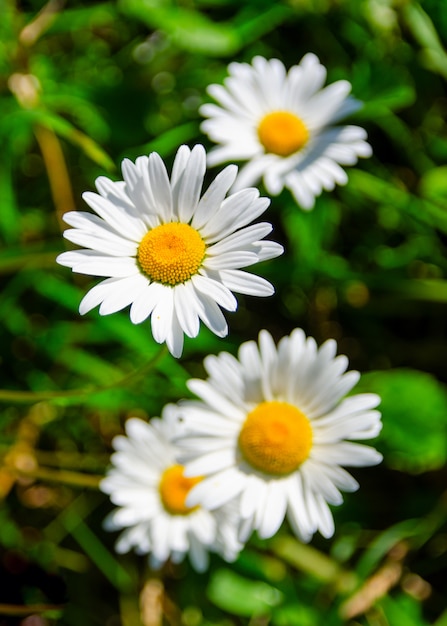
(273, 428)
(148, 485)
(167, 251)
(282, 124)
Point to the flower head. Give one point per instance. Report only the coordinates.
(274, 429)
(282, 124)
(167, 251)
(148, 484)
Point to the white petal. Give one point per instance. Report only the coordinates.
(249, 284)
(188, 189)
(240, 239)
(139, 190)
(211, 463)
(275, 509)
(161, 187)
(162, 314)
(207, 285)
(215, 491)
(175, 337)
(214, 196)
(214, 399)
(180, 161)
(198, 555)
(118, 217)
(146, 301)
(108, 244)
(186, 310)
(125, 293)
(211, 315)
(102, 265)
(230, 260)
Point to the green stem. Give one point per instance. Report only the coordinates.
(9, 395)
(21, 610)
(313, 562)
(75, 479)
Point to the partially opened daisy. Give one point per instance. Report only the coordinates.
(274, 428)
(147, 483)
(167, 251)
(283, 125)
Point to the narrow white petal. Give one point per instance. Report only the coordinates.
(275, 510)
(106, 244)
(230, 260)
(350, 454)
(139, 190)
(211, 315)
(161, 187)
(211, 463)
(161, 318)
(198, 555)
(146, 301)
(208, 285)
(217, 490)
(214, 399)
(240, 239)
(186, 310)
(214, 196)
(175, 337)
(124, 294)
(180, 161)
(106, 266)
(97, 294)
(190, 184)
(298, 513)
(249, 284)
(118, 217)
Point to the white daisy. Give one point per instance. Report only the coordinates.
(147, 483)
(282, 124)
(165, 250)
(273, 428)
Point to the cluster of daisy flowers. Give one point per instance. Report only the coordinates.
(265, 440)
(271, 430)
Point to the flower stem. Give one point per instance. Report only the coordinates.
(10, 395)
(312, 561)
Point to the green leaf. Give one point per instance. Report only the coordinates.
(187, 28)
(383, 191)
(166, 143)
(403, 610)
(195, 32)
(414, 409)
(424, 31)
(64, 129)
(391, 99)
(296, 614)
(9, 214)
(241, 596)
(433, 184)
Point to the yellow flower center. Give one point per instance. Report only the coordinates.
(174, 487)
(276, 438)
(171, 253)
(282, 133)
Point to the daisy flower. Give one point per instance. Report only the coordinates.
(274, 429)
(282, 124)
(167, 251)
(148, 485)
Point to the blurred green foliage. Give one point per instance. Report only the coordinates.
(84, 84)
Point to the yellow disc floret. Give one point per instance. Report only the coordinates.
(275, 438)
(282, 133)
(171, 253)
(174, 487)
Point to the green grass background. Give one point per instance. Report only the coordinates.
(85, 84)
